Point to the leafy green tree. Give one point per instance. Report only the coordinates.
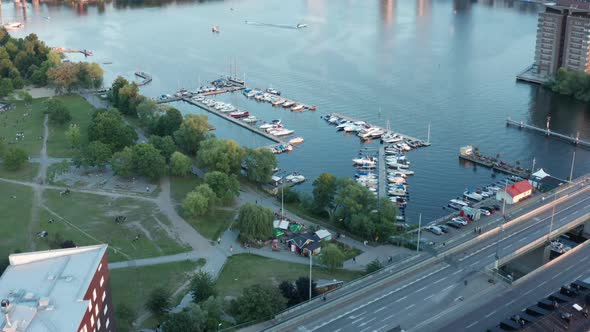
(289, 292)
(258, 303)
(147, 111)
(108, 127)
(260, 164)
(90, 75)
(221, 155)
(129, 98)
(117, 85)
(213, 309)
(288, 195)
(164, 144)
(226, 187)
(193, 130)
(148, 161)
(324, 190)
(26, 97)
(168, 123)
(199, 201)
(202, 287)
(125, 317)
(73, 135)
(332, 257)
(374, 265)
(57, 110)
(122, 162)
(180, 165)
(255, 222)
(302, 289)
(15, 159)
(158, 302)
(352, 198)
(2, 148)
(6, 87)
(95, 154)
(192, 319)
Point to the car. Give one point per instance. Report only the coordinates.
(454, 224)
(496, 207)
(460, 220)
(443, 228)
(435, 230)
(485, 212)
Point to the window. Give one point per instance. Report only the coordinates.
(108, 322)
(83, 329)
(101, 281)
(98, 324)
(94, 294)
(106, 309)
(96, 309)
(99, 266)
(104, 295)
(89, 306)
(91, 321)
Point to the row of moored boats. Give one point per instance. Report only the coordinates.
(273, 97)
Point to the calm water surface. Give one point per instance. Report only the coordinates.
(448, 63)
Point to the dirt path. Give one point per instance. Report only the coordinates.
(37, 189)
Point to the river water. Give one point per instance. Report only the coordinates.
(448, 63)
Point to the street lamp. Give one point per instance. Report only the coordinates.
(552, 217)
(572, 169)
(310, 254)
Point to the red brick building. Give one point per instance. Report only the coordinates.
(57, 290)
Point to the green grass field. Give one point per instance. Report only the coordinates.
(131, 286)
(180, 186)
(27, 173)
(16, 216)
(81, 112)
(90, 220)
(25, 119)
(245, 270)
(213, 224)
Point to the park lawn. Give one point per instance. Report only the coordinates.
(27, 173)
(25, 119)
(180, 186)
(132, 285)
(212, 224)
(348, 251)
(89, 219)
(244, 270)
(81, 112)
(16, 216)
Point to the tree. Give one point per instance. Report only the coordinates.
(164, 144)
(64, 76)
(148, 161)
(260, 164)
(73, 135)
(289, 292)
(213, 310)
(118, 83)
(221, 155)
(332, 257)
(167, 123)
(198, 201)
(108, 127)
(90, 75)
(289, 195)
(192, 319)
(255, 222)
(193, 130)
(226, 187)
(129, 98)
(6, 87)
(26, 97)
(180, 165)
(146, 112)
(15, 159)
(202, 286)
(96, 154)
(57, 110)
(122, 162)
(125, 317)
(302, 287)
(324, 190)
(374, 265)
(258, 303)
(352, 198)
(158, 302)
(2, 148)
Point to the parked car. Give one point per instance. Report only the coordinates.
(444, 228)
(460, 220)
(435, 230)
(485, 212)
(454, 224)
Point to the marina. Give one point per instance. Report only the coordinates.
(473, 155)
(273, 97)
(146, 78)
(547, 132)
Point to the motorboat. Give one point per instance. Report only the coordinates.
(228, 108)
(366, 165)
(406, 171)
(391, 138)
(282, 132)
(377, 133)
(251, 94)
(332, 119)
(352, 128)
(12, 26)
(273, 128)
(276, 122)
(295, 178)
(367, 133)
(296, 140)
(301, 25)
(460, 202)
(273, 91)
(251, 119)
(297, 108)
(215, 29)
(343, 124)
(239, 114)
(473, 195)
(277, 102)
(361, 161)
(266, 126)
(281, 148)
(396, 180)
(288, 103)
(397, 174)
(455, 206)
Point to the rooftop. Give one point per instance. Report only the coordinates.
(519, 188)
(572, 5)
(46, 288)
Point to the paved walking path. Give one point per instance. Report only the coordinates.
(38, 190)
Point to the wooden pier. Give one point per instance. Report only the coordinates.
(70, 50)
(145, 76)
(493, 163)
(547, 132)
(404, 136)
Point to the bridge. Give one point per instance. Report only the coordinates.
(437, 289)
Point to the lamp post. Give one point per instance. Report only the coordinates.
(310, 254)
(552, 217)
(572, 168)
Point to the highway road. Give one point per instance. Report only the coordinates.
(455, 281)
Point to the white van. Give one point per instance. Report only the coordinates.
(436, 230)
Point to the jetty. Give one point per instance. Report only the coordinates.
(467, 153)
(71, 50)
(547, 132)
(382, 175)
(144, 76)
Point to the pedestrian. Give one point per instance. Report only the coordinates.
(474, 230)
(147, 189)
(231, 248)
(324, 298)
(466, 282)
(390, 259)
(218, 240)
(256, 202)
(480, 230)
(354, 259)
(444, 244)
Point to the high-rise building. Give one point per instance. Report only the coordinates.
(64, 290)
(563, 38)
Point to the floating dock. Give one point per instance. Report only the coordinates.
(145, 76)
(547, 132)
(468, 154)
(71, 50)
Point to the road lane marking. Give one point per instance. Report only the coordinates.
(473, 263)
(541, 284)
(569, 267)
(439, 280)
(337, 330)
(388, 317)
(586, 257)
(509, 303)
(356, 321)
(492, 254)
(366, 328)
(528, 292)
(381, 309)
(523, 239)
(447, 288)
(472, 324)
(491, 313)
(457, 272)
(430, 296)
(367, 322)
(410, 306)
(377, 330)
(421, 289)
(556, 275)
(401, 299)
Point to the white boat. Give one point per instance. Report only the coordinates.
(273, 91)
(391, 138)
(295, 178)
(251, 93)
(396, 180)
(282, 132)
(296, 140)
(343, 124)
(333, 119)
(473, 195)
(288, 103)
(362, 161)
(397, 174)
(228, 108)
(460, 202)
(278, 102)
(367, 133)
(266, 126)
(12, 26)
(297, 108)
(251, 119)
(301, 25)
(377, 133)
(406, 172)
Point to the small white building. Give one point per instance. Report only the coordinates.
(515, 193)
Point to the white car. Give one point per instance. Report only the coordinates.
(484, 212)
(460, 220)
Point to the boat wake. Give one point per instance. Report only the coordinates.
(282, 26)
